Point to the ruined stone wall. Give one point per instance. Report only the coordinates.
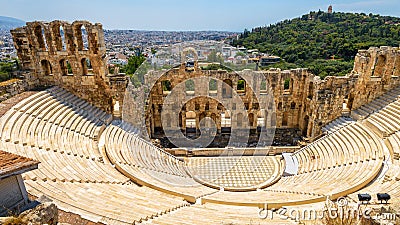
(72, 56)
(378, 71)
(10, 89)
(307, 102)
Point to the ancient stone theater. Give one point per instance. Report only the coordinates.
(112, 155)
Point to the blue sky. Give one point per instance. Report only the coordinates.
(229, 15)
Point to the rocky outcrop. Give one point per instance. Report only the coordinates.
(46, 213)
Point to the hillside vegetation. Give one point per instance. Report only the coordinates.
(314, 39)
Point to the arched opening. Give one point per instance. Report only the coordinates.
(189, 85)
(166, 86)
(86, 66)
(293, 105)
(227, 89)
(41, 38)
(286, 84)
(59, 37)
(212, 87)
(81, 37)
(65, 67)
(46, 68)
(241, 86)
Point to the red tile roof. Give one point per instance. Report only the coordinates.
(11, 164)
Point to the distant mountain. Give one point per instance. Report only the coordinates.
(7, 23)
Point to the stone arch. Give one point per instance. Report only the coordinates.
(241, 86)
(86, 66)
(65, 67)
(166, 86)
(40, 37)
(81, 34)
(46, 67)
(58, 33)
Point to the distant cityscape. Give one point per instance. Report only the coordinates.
(122, 44)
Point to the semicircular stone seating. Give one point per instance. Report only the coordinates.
(383, 119)
(103, 171)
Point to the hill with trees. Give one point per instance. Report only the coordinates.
(326, 43)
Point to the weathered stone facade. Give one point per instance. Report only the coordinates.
(72, 56)
(8, 90)
(63, 54)
(307, 102)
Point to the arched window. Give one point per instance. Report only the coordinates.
(86, 66)
(81, 35)
(286, 84)
(59, 37)
(241, 86)
(41, 38)
(46, 68)
(65, 67)
(166, 86)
